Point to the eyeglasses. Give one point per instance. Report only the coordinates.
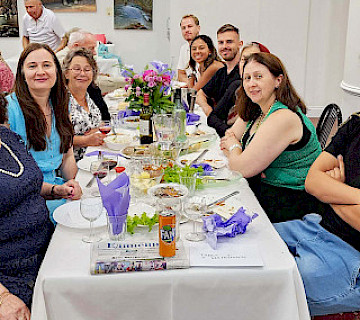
(78, 70)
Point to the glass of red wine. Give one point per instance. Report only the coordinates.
(99, 169)
(105, 127)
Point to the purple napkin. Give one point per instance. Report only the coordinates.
(192, 118)
(215, 227)
(105, 153)
(131, 112)
(208, 170)
(116, 198)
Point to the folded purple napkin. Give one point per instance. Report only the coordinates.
(192, 118)
(131, 112)
(215, 227)
(116, 199)
(104, 153)
(208, 170)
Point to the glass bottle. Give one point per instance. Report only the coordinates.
(179, 117)
(146, 130)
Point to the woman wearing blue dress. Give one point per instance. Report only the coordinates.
(38, 112)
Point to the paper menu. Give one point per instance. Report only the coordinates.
(228, 254)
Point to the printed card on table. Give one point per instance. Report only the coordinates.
(228, 254)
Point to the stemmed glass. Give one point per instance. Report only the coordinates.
(195, 209)
(105, 127)
(91, 209)
(100, 169)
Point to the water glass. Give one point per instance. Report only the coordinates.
(195, 209)
(189, 182)
(91, 209)
(116, 227)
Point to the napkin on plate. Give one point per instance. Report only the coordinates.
(116, 199)
(192, 118)
(214, 227)
(104, 153)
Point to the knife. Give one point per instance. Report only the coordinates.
(198, 157)
(222, 199)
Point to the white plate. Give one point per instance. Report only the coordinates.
(69, 215)
(214, 161)
(138, 209)
(117, 94)
(226, 210)
(184, 191)
(203, 133)
(85, 162)
(131, 125)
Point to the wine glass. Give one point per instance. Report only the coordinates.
(100, 169)
(195, 209)
(105, 127)
(91, 209)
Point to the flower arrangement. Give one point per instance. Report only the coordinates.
(155, 80)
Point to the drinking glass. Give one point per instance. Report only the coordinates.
(105, 127)
(100, 169)
(165, 129)
(188, 181)
(91, 208)
(117, 122)
(195, 209)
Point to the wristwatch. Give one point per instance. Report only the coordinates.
(234, 146)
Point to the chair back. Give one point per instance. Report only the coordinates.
(326, 122)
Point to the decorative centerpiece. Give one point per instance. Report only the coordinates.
(154, 80)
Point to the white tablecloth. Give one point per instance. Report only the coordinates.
(66, 290)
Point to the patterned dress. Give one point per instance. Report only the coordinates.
(25, 228)
(82, 120)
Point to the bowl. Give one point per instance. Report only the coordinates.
(168, 193)
(118, 141)
(141, 182)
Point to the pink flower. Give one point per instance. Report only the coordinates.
(127, 87)
(151, 84)
(136, 76)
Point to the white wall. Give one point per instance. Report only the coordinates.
(307, 35)
(136, 47)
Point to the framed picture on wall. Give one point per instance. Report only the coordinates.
(70, 5)
(9, 25)
(133, 14)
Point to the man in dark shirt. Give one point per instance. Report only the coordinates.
(229, 45)
(327, 249)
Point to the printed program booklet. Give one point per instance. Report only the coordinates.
(125, 256)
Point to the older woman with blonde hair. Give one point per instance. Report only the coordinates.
(80, 70)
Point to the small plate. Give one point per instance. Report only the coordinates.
(132, 122)
(85, 162)
(225, 209)
(214, 161)
(178, 187)
(138, 209)
(69, 215)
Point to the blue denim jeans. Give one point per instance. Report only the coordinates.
(328, 265)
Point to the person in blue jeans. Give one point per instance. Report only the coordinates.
(326, 246)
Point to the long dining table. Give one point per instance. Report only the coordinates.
(65, 288)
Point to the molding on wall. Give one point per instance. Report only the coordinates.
(314, 111)
(355, 91)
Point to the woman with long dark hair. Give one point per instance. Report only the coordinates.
(204, 61)
(272, 143)
(38, 112)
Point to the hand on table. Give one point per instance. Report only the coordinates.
(227, 141)
(338, 172)
(13, 308)
(69, 190)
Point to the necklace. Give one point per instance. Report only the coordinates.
(21, 166)
(262, 117)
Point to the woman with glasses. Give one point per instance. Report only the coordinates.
(80, 70)
(38, 112)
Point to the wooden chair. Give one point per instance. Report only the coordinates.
(326, 122)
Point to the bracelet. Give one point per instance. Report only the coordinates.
(52, 193)
(234, 146)
(3, 295)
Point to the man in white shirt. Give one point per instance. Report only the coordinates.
(190, 28)
(41, 25)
